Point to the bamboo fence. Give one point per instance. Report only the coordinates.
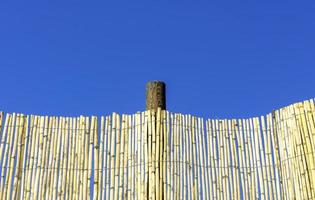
(159, 155)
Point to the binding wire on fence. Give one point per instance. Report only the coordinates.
(159, 155)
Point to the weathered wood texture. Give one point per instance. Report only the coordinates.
(155, 95)
(159, 155)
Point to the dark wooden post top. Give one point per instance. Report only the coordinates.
(155, 95)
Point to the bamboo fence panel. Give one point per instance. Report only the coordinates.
(159, 155)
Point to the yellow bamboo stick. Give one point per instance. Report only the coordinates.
(22, 160)
(12, 155)
(195, 191)
(43, 158)
(121, 158)
(3, 148)
(32, 167)
(138, 143)
(226, 164)
(81, 157)
(112, 167)
(202, 158)
(6, 140)
(250, 159)
(54, 158)
(130, 160)
(68, 182)
(157, 153)
(89, 166)
(97, 171)
(75, 159)
(110, 157)
(102, 159)
(106, 161)
(126, 154)
(184, 158)
(19, 156)
(165, 154)
(233, 139)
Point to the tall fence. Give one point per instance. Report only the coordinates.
(159, 155)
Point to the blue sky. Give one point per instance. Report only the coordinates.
(219, 59)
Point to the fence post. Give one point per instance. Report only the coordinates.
(155, 95)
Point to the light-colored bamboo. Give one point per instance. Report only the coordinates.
(11, 156)
(159, 155)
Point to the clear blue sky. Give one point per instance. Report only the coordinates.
(219, 59)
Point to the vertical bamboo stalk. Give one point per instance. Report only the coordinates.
(81, 157)
(102, 159)
(76, 158)
(11, 158)
(307, 190)
(165, 154)
(97, 170)
(244, 158)
(206, 156)
(130, 159)
(308, 152)
(161, 156)
(111, 183)
(69, 164)
(290, 155)
(140, 167)
(296, 186)
(211, 176)
(135, 157)
(255, 156)
(258, 163)
(222, 176)
(234, 172)
(43, 158)
(215, 162)
(217, 149)
(249, 159)
(150, 160)
(201, 158)
(91, 149)
(227, 168)
(169, 158)
(23, 157)
(126, 155)
(117, 160)
(6, 142)
(114, 165)
(38, 155)
(270, 154)
(157, 153)
(133, 143)
(275, 142)
(60, 192)
(30, 181)
(87, 135)
(267, 156)
(54, 158)
(283, 153)
(19, 156)
(121, 155)
(183, 152)
(194, 161)
(3, 148)
(172, 159)
(175, 158)
(106, 164)
(186, 171)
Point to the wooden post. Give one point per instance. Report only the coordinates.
(155, 95)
